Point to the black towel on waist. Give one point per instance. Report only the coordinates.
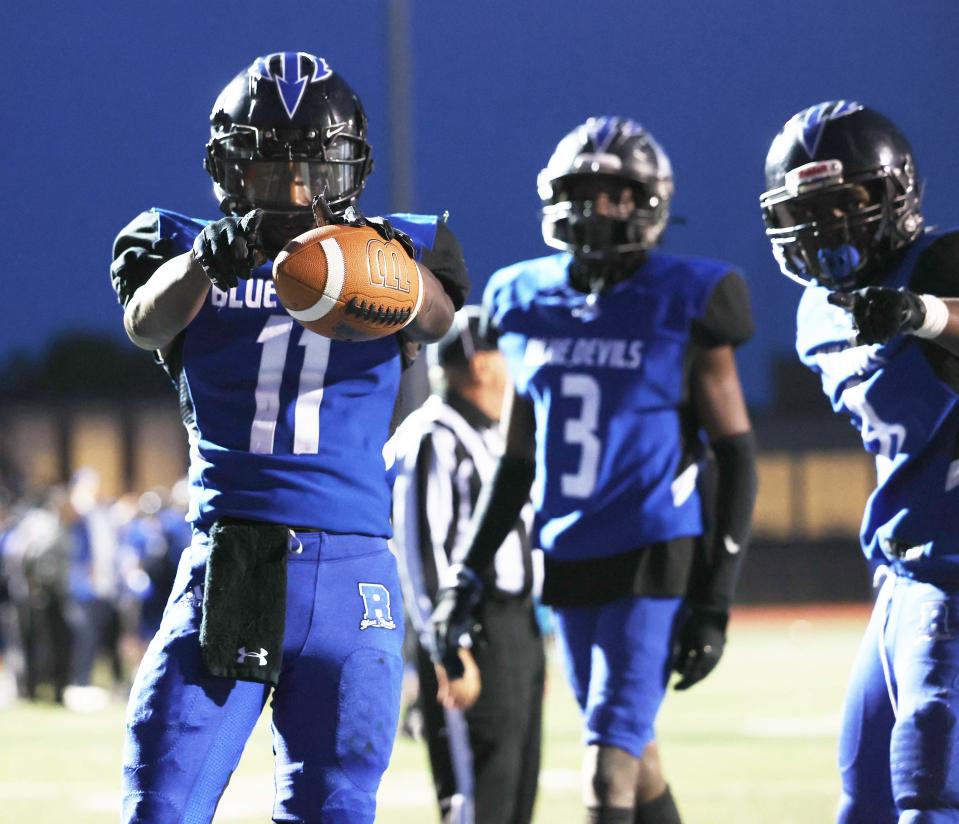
(244, 600)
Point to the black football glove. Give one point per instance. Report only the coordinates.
(881, 313)
(227, 248)
(352, 216)
(701, 642)
(453, 617)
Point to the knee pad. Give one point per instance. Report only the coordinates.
(368, 713)
(921, 750)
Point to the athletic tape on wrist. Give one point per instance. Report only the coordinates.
(937, 316)
(419, 297)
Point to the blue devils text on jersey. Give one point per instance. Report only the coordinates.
(608, 383)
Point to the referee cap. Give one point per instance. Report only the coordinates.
(465, 338)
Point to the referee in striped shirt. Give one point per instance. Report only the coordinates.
(482, 731)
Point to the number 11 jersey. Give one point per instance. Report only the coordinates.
(284, 425)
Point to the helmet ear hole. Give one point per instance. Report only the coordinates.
(909, 225)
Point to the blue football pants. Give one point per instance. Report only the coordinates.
(898, 752)
(618, 658)
(335, 709)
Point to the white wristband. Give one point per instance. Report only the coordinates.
(419, 297)
(937, 316)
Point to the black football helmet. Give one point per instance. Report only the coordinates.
(285, 129)
(612, 151)
(842, 195)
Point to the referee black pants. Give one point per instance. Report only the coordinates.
(488, 758)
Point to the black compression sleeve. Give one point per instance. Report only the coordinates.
(935, 274)
(138, 252)
(445, 261)
(714, 575)
(497, 510)
(727, 318)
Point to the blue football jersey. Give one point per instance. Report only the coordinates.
(607, 383)
(285, 426)
(907, 417)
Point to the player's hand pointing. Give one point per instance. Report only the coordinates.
(229, 249)
(881, 313)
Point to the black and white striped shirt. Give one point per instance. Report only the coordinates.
(445, 451)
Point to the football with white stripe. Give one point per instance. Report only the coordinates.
(347, 283)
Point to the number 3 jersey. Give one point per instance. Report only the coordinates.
(285, 426)
(902, 397)
(608, 383)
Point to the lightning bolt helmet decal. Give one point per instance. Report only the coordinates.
(291, 71)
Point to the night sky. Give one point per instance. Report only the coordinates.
(106, 112)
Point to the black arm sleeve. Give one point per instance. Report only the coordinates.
(138, 252)
(497, 510)
(937, 273)
(727, 318)
(716, 567)
(445, 260)
(937, 270)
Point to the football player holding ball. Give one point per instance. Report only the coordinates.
(288, 588)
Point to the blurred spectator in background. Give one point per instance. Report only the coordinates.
(153, 540)
(11, 657)
(93, 616)
(83, 577)
(37, 553)
(483, 730)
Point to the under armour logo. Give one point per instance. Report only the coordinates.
(242, 655)
(292, 71)
(934, 621)
(194, 597)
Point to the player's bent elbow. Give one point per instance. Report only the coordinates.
(139, 335)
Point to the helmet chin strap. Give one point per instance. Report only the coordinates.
(232, 205)
(592, 275)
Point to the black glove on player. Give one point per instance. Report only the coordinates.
(352, 216)
(881, 313)
(227, 248)
(700, 646)
(453, 618)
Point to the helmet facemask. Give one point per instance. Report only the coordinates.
(596, 216)
(841, 196)
(281, 171)
(839, 234)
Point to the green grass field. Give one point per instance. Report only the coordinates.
(754, 743)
